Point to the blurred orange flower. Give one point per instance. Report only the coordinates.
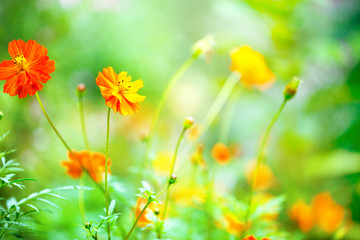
(254, 238)
(302, 214)
(221, 153)
(264, 179)
(252, 67)
(232, 224)
(29, 68)
(148, 216)
(323, 212)
(328, 214)
(119, 92)
(162, 163)
(93, 162)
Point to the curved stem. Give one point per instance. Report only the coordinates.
(172, 170)
(106, 173)
(219, 102)
(160, 107)
(64, 143)
(258, 163)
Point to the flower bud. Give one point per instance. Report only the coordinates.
(88, 225)
(80, 89)
(291, 88)
(1, 115)
(172, 179)
(204, 47)
(156, 211)
(189, 121)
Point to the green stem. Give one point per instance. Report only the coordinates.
(82, 120)
(137, 219)
(106, 173)
(141, 213)
(219, 102)
(260, 155)
(64, 143)
(160, 107)
(172, 169)
(86, 142)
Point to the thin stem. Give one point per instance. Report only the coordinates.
(260, 155)
(81, 200)
(160, 107)
(86, 142)
(64, 143)
(147, 204)
(106, 173)
(219, 101)
(172, 169)
(82, 120)
(137, 219)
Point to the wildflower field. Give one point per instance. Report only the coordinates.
(203, 119)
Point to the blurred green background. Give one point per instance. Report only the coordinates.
(314, 146)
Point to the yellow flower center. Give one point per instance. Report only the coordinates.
(20, 63)
(121, 87)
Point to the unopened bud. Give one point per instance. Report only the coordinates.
(172, 179)
(157, 211)
(189, 121)
(1, 115)
(204, 47)
(291, 88)
(80, 89)
(88, 225)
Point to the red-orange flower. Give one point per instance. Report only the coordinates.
(93, 162)
(29, 68)
(254, 238)
(119, 92)
(148, 216)
(221, 153)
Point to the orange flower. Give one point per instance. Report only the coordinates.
(302, 214)
(119, 92)
(254, 238)
(221, 154)
(29, 68)
(148, 216)
(264, 179)
(252, 67)
(328, 214)
(93, 162)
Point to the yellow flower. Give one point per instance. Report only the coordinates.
(264, 179)
(162, 163)
(252, 67)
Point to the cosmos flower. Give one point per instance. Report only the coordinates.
(29, 68)
(252, 67)
(93, 162)
(302, 214)
(119, 92)
(221, 154)
(254, 238)
(264, 179)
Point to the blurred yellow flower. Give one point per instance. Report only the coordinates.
(264, 179)
(194, 132)
(189, 195)
(197, 158)
(162, 163)
(252, 67)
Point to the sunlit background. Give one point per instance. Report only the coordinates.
(314, 146)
